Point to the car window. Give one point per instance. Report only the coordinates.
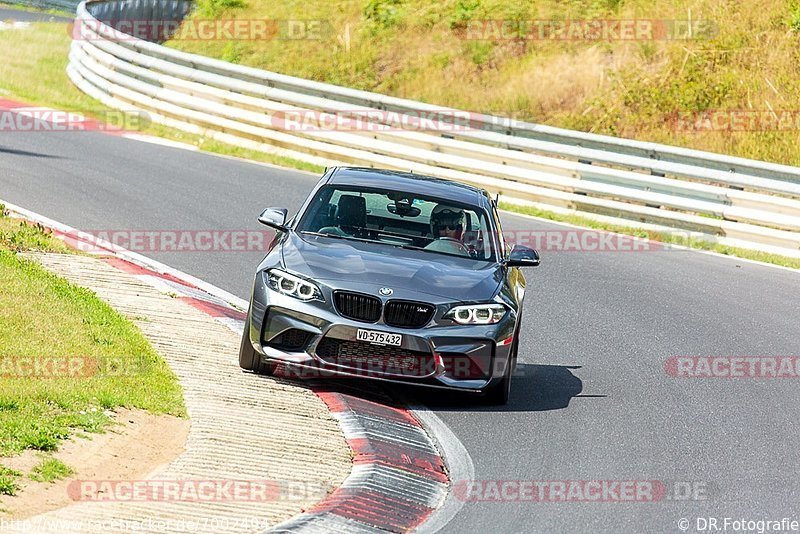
(411, 220)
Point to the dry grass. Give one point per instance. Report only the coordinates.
(412, 49)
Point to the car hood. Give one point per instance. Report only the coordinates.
(367, 264)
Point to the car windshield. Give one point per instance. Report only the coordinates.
(400, 219)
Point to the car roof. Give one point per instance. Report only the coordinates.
(409, 183)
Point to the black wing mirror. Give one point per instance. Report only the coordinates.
(274, 218)
(522, 257)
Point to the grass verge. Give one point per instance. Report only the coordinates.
(489, 56)
(662, 237)
(18, 236)
(34, 71)
(37, 9)
(67, 359)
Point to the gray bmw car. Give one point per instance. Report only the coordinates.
(390, 276)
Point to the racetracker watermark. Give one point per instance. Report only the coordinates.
(53, 367)
(196, 490)
(733, 366)
(375, 120)
(735, 120)
(352, 362)
(573, 240)
(36, 119)
(588, 30)
(564, 491)
(202, 30)
(94, 241)
(215, 240)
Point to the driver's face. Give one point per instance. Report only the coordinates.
(449, 228)
(445, 231)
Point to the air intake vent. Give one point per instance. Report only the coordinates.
(290, 340)
(376, 359)
(407, 314)
(357, 306)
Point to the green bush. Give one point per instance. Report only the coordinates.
(465, 11)
(383, 14)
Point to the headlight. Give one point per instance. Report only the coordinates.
(294, 286)
(477, 314)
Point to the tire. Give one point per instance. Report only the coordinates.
(499, 394)
(249, 359)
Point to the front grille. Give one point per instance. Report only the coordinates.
(407, 314)
(375, 359)
(292, 339)
(357, 306)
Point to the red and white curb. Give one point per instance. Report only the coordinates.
(399, 478)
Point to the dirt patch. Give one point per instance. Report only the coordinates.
(138, 446)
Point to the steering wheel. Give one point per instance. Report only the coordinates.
(463, 249)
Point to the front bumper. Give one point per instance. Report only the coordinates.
(465, 358)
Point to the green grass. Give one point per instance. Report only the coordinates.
(34, 70)
(50, 469)
(17, 235)
(45, 319)
(8, 481)
(672, 238)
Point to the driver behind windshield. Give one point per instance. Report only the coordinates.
(447, 227)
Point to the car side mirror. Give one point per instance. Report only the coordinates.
(522, 257)
(274, 218)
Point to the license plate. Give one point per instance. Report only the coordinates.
(379, 338)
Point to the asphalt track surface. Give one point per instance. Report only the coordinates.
(591, 399)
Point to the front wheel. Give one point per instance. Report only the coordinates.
(249, 359)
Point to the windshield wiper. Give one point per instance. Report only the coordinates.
(352, 238)
(337, 236)
(409, 247)
(321, 234)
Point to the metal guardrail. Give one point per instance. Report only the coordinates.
(733, 200)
